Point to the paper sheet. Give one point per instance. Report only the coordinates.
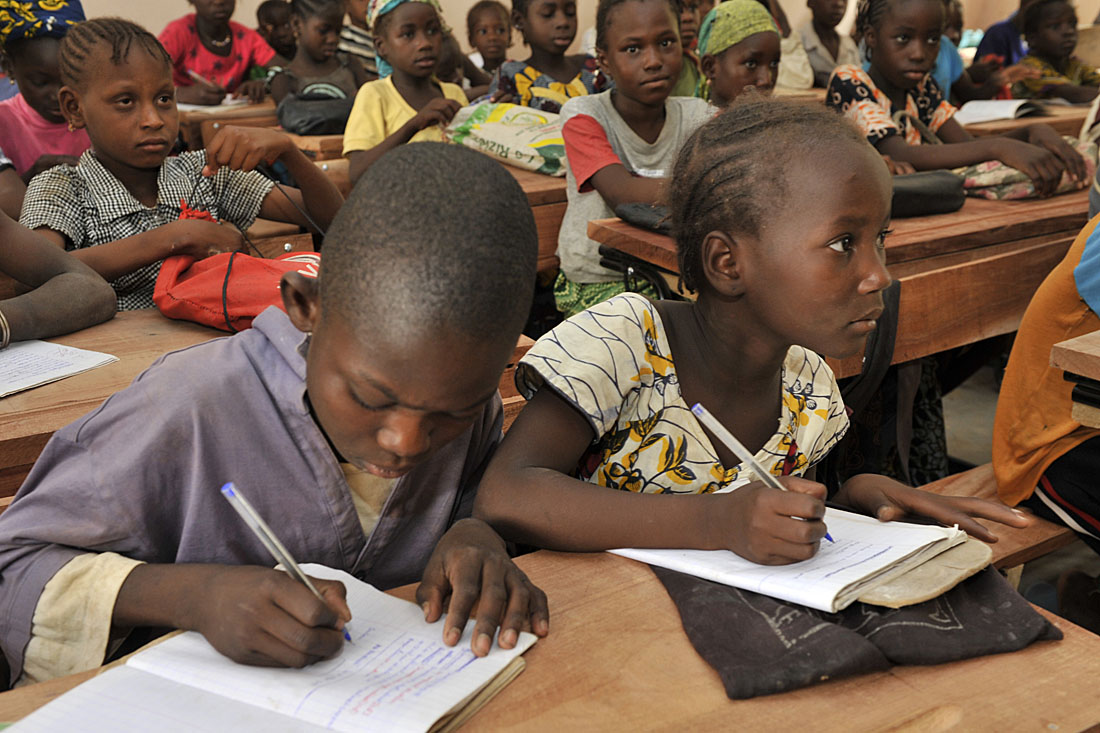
(28, 364)
(863, 546)
(988, 110)
(229, 101)
(397, 675)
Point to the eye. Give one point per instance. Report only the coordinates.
(631, 49)
(901, 38)
(750, 63)
(368, 407)
(880, 242)
(842, 244)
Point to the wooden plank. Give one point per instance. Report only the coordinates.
(209, 128)
(1064, 120)
(318, 147)
(540, 189)
(1079, 355)
(1014, 546)
(191, 119)
(270, 247)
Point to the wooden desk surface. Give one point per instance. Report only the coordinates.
(191, 119)
(986, 259)
(1065, 120)
(1079, 355)
(28, 419)
(617, 658)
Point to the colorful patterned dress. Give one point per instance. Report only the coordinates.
(852, 93)
(613, 363)
(532, 88)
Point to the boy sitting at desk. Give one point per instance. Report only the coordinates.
(357, 423)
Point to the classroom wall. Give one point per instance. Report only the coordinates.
(156, 14)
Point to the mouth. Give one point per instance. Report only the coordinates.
(562, 41)
(655, 83)
(868, 322)
(426, 62)
(914, 74)
(158, 144)
(385, 472)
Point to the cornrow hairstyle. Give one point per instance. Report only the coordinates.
(121, 35)
(1033, 14)
(268, 9)
(603, 13)
(731, 168)
(519, 7)
(305, 9)
(483, 6)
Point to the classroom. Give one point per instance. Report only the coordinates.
(809, 287)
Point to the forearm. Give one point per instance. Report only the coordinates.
(1075, 93)
(631, 190)
(363, 159)
(556, 512)
(162, 596)
(319, 194)
(65, 303)
(935, 157)
(123, 256)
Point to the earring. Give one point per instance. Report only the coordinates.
(71, 128)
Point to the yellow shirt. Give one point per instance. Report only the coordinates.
(380, 110)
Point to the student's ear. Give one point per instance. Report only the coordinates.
(380, 47)
(302, 300)
(296, 25)
(518, 22)
(70, 107)
(722, 264)
(709, 66)
(870, 38)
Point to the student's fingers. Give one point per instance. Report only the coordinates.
(803, 487)
(464, 594)
(783, 552)
(491, 603)
(300, 603)
(533, 614)
(335, 595)
(303, 644)
(270, 650)
(434, 591)
(252, 159)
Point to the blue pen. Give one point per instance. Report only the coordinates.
(263, 532)
(739, 450)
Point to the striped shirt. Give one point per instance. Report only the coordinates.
(359, 43)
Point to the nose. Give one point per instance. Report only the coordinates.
(651, 59)
(875, 277)
(764, 78)
(406, 434)
(150, 116)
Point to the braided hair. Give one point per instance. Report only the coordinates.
(121, 35)
(732, 167)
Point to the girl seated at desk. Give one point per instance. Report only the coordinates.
(608, 454)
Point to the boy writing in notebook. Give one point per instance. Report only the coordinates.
(357, 423)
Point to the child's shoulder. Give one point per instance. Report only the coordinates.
(184, 26)
(596, 105)
(807, 371)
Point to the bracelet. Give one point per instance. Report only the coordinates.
(5, 331)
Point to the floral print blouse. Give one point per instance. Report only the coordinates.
(613, 363)
(852, 93)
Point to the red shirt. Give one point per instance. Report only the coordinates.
(181, 40)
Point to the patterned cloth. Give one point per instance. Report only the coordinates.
(532, 88)
(854, 95)
(726, 25)
(613, 363)
(1075, 73)
(572, 298)
(359, 43)
(38, 18)
(377, 8)
(88, 205)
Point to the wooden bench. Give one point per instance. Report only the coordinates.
(1014, 546)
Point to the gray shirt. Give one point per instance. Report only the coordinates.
(140, 476)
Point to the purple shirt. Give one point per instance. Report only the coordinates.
(1003, 40)
(140, 476)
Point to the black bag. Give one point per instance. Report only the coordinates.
(927, 192)
(313, 116)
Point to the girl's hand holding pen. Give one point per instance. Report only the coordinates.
(766, 526)
(261, 616)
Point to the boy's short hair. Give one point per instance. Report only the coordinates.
(433, 236)
(1034, 13)
(480, 7)
(267, 10)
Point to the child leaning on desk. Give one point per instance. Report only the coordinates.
(607, 453)
(122, 208)
(358, 423)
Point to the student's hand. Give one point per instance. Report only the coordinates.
(759, 523)
(1046, 137)
(898, 167)
(1014, 73)
(888, 500)
(264, 617)
(45, 162)
(471, 564)
(244, 148)
(1037, 163)
(200, 94)
(502, 96)
(437, 112)
(253, 89)
(201, 239)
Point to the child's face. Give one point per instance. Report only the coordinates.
(129, 110)
(319, 35)
(36, 71)
(277, 31)
(215, 11)
(749, 64)
(814, 276)
(389, 404)
(492, 35)
(449, 66)
(689, 22)
(549, 25)
(906, 41)
(705, 6)
(643, 53)
(828, 12)
(357, 12)
(412, 39)
(953, 22)
(1056, 36)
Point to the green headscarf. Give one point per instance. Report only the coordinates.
(728, 24)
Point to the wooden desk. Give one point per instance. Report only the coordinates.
(1079, 358)
(319, 147)
(984, 262)
(617, 658)
(546, 194)
(191, 120)
(1065, 121)
(28, 419)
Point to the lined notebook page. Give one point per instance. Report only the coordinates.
(832, 578)
(397, 675)
(29, 364)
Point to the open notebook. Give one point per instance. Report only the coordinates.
(397, 675)
(33, 363)
(988, 110)
(866, 553)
